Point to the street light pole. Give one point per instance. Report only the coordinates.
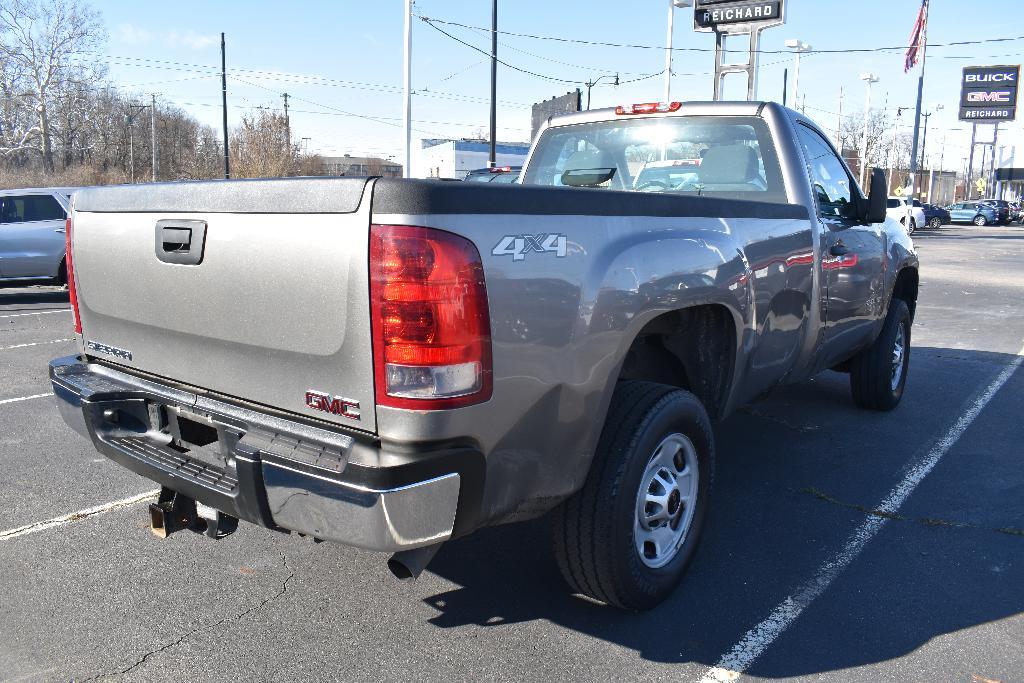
(672, 5)
(407, 89)
(868, 79)
(798, 47)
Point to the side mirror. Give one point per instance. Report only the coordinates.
(875, 204)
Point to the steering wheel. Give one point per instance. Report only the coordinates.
(653, 186)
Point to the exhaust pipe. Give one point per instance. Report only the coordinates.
(407, 565)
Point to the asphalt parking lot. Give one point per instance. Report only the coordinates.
(841, 545)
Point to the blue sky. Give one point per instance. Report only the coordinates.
(345, 57)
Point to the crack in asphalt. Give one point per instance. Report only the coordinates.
(924, 521)
(186, 636)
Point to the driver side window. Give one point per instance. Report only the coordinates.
(833, 188)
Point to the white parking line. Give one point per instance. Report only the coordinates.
(24, 398)
(22, 315)
(732, 665)
(21, 346)
(75, 516)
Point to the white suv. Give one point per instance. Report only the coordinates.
(32, 234)
(896, 207)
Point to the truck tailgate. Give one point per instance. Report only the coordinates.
(276, 307)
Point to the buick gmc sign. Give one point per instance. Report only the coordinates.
(988, 94)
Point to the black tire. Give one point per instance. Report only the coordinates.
(594, 537)
(935, 223)
(980, 221)
(872, 373)
(913, 226)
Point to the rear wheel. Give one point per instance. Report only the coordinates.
(627, 536)
(980, 221)
(935, 223)
(878, 374)
(913, 226)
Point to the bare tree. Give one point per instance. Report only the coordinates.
(39, 43)
(259, 147)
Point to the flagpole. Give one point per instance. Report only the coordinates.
(920, 97)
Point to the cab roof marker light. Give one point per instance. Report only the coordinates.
(647, 108)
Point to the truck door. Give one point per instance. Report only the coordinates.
(31, 236)
(851, 264)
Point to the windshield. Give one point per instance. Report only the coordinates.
(696, 155)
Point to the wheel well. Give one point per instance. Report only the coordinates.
(692, 348)
(62, 272)
(906, 288)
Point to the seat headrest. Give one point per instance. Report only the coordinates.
(729, 164)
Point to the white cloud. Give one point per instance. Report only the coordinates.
(133, 35)
(193, 40)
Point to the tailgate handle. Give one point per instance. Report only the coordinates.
(180, 241)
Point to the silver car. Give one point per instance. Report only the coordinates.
(32, 234)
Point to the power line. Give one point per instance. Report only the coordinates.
(432, 20)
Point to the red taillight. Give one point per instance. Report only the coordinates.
(431, 329)
(648, 108)
(69, 267)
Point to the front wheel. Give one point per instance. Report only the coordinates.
(913, 226)
(878, 374)
(980, 221)
(627, 536)
(935, 223)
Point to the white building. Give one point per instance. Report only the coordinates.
(1009, 174)
(455, 158)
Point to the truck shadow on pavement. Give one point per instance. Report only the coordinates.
(797, 473)
(58, 298)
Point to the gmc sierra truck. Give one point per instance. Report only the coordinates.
(390, 364)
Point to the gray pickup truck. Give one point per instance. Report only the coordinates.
(390, 364)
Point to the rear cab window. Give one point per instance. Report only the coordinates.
(717, 156)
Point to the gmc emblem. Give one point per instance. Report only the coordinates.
(335, 405)
(991, 96)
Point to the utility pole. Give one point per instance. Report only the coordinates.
(407, 88)
(130, 119)
(287, 125)
(224, 102)
(491, 158)
(152, 129)
(868, 79)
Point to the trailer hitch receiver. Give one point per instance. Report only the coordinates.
(174, 512)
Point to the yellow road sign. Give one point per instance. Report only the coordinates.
(980, 184)
(898, 192)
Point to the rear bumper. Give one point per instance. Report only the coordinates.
(267, 469)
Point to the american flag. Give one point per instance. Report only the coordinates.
(918, 37)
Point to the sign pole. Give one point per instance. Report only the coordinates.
(970, 164)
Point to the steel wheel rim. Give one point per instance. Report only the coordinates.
(666, 501)
(899, 351)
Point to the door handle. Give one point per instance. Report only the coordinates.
(839, 249)
(60, 230)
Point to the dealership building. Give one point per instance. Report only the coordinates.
(437, 158)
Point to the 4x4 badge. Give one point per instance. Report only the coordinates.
(518, 246)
